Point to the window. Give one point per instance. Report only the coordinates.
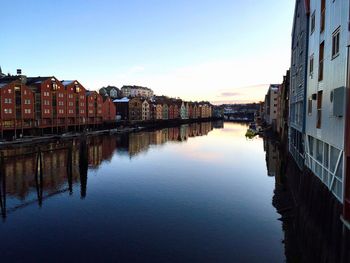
(309, 106)
(335, 43)
(313, 22)
(311, 62)
(319, 109)
(323, 15)
(321, 59)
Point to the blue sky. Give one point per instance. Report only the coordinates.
(221, 51)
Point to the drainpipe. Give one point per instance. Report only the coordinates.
(346, 202)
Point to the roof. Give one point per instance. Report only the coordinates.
(8, 79)
(66, 82)
(123, 100)
(37, 80)
(274, 86)
(89, 92)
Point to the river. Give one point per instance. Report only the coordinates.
(195, 193)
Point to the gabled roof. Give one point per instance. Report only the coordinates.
(89, 92)
(8, 79)
(67, 82)
(37, 80)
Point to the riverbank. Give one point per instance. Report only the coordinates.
(310, 215)
(121, 127)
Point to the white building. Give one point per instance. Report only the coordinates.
(271, 105)
(327, 75)
(136, 91)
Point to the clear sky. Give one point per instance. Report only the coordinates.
(216, 50)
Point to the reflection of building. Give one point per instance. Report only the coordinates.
(312, 229)
(66, 163)
(271, 157)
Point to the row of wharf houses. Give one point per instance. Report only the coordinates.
(28, 103)
(37, 105)
(311, 108)
(160, 108)
(137, 103)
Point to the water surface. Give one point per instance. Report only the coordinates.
(195, 193)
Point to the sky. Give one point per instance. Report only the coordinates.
(222, 51)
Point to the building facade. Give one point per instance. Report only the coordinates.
(271, 106)
(110, 91)
(165, 111)
(136, 91)
(76, 102)
(122, 108)
(135, 109)
(326, 82)
(145, 110)
(159, 111)
(17, 105)
(298, 80)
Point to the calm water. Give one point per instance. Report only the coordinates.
(196, 193)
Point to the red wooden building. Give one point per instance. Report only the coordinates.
(50, 102)
(50, 105)
(76, 102)
(16, 105)
(94, 103)
(108, 110)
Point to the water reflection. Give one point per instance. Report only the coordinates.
(313, 231)
(30, 175)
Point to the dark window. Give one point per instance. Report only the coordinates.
(309, 106)
(335, 43)
(321, 59)
(311, 70)
(319, 109)
(313, 22)
(323, 15)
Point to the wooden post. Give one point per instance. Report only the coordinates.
(83, 166)
(2, 187)
(70, 169)
(39, 177)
